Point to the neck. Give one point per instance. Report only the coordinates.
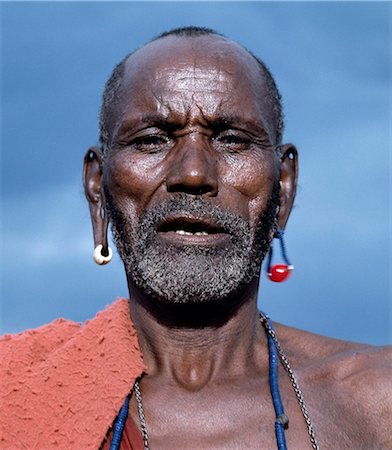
(196, 345)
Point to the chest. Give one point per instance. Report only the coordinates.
(235, 417)
(242, 416)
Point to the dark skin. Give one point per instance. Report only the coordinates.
(207, 387)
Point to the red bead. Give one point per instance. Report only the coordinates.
(279, 272)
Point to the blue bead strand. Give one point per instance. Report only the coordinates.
(119, 425)
(269, 260)
(280, 234)
(281, 422)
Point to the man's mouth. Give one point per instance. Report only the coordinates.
(182, 230)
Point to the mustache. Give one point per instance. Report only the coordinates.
(196, 208)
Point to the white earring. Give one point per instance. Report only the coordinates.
(99, 258)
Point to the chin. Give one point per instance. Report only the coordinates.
(190, 279)
(190, 302)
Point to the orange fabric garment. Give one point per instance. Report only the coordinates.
(63, 384)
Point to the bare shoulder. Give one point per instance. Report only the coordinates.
(312, 349)
(351, 381)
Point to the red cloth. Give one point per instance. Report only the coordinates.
(63, 384)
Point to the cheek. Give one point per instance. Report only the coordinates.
(253, 180)
(133, 179)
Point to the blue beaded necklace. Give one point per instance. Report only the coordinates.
(281, 422)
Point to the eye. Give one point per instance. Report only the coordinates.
(152, 143)
(232, 139)
(232, 142)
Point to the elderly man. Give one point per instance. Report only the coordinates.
(195, 182)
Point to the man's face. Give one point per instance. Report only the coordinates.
(192, 179)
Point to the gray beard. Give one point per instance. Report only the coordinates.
(192, 274)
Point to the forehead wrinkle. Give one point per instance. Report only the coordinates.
(170, 107)
(187, 106)
(192, 79)
(163, 109)
(204, 94)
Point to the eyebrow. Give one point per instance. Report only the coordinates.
(221, 123)
(159, 120)
(227, 120)
(152, 119)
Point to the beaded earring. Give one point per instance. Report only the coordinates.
(279, 272)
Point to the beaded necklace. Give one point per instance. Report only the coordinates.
(281, 422)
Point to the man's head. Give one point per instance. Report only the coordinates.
(190, 173)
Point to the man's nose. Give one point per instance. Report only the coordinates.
(193, 169)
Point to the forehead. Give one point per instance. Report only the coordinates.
(207, 75)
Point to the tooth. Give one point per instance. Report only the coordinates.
(189, 233)
(184, 233)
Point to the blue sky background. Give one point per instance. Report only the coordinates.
(332, 62)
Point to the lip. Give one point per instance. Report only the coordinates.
(189, 230)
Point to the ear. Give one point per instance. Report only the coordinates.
(92, 182)
(288, 182)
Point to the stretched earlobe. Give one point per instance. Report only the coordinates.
(106, 251)
(92, 182)
(288, 182)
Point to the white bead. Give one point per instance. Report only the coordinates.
(99, 258)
